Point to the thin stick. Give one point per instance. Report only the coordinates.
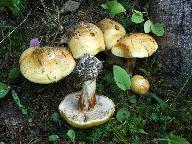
(184, 85)
(15, 27)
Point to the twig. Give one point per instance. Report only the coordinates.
(184, 85)
(16, 27)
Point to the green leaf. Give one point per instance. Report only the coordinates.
(4, 89)
(14, 73)
(121, 77)
(71, 135)
(18, 103)
(13, 5)
(133, 99)
(53, 138)
(123, 115)
(147, 26)
(56, 118)
(104, 6)
(137, 17)
(157, 29)
(114, 7)
(173, 139)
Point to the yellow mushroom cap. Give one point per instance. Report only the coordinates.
(87, 39)
(112, 31)
(46, 65)
(135, 45)
(139, 84)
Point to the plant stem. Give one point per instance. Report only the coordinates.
(87, 100)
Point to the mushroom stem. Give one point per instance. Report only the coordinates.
(130, 64)
(87, 100)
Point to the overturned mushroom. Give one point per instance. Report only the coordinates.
(135, 45)
(85, 109)
(46, 65)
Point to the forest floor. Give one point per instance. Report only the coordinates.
(165, 113)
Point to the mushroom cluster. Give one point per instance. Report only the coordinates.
(85, 109)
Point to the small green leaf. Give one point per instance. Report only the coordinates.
(122, 115)
(18, 103)
(147, 26)
(121, 77)
(133, 99)
(157, 29)
(30, 120)
(4, 89)
(114, 7)
(14, 73)
(104, 6)
(71, 135)
(53, 138)
(137, 17)
(56, 118)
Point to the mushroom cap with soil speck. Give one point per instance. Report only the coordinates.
(100, 114)
(87, 39)
(46, 65)
(135, 45)
(139, 84)
(112, 31)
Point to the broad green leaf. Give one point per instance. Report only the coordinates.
(18, 103)
(137, 17)
(121, 77)
(71, 134)
(147, 26)
(53, 138)
(4, 89)
(14, 73)
(173, 139)
(123, 115)
(114, 7)
(157, 29)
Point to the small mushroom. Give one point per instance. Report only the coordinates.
(135, 45)
(46, 65)
(139, 84)
(87, 38)
(112, 31)
(86, 109)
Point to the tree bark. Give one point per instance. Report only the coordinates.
(175, 50)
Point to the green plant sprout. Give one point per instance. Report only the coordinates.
(122, 79)
(114, 7)
(71, 135)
